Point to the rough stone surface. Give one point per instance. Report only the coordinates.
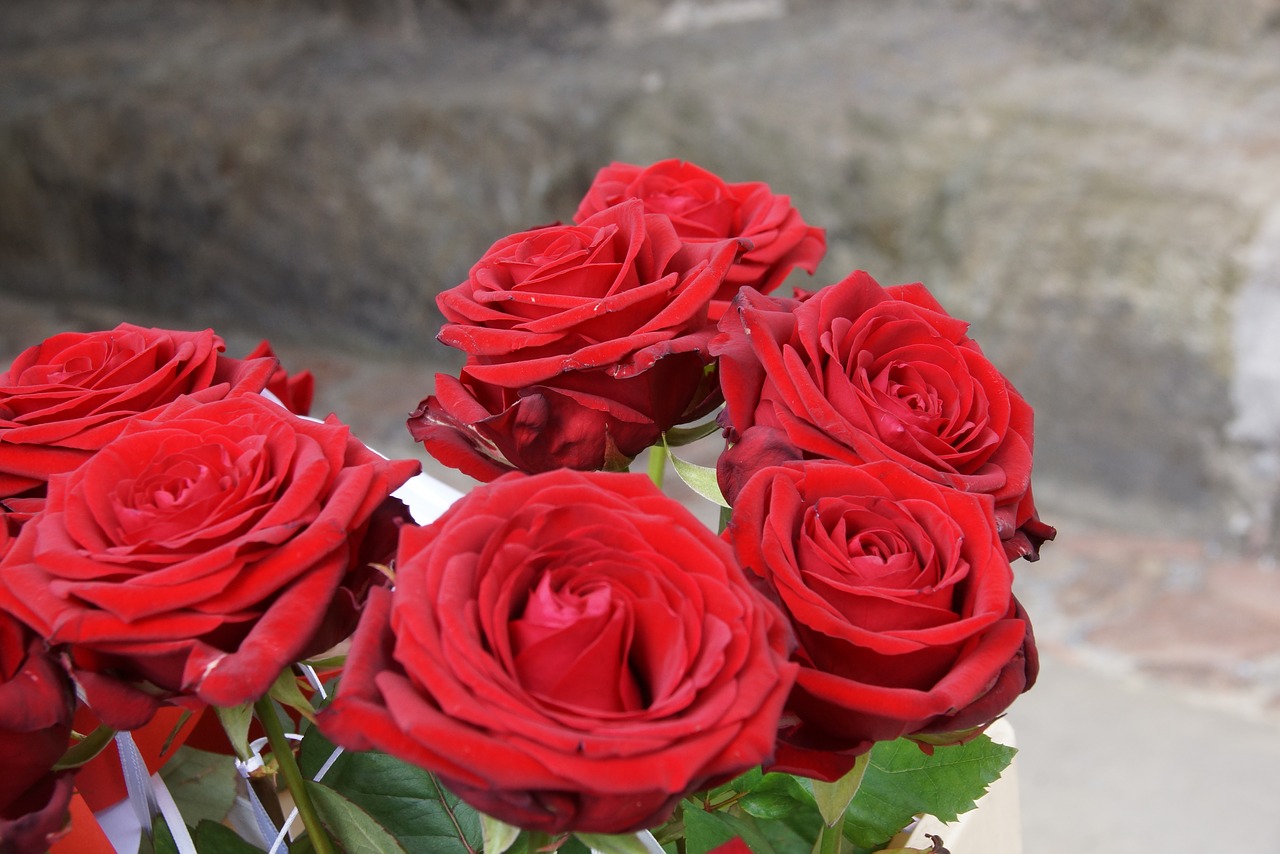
(1095, 185)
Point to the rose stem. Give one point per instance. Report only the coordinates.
(292, 775)
(837, 796)
(829, 841)
(657, 464)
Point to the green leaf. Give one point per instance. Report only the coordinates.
(779, 797)
(785, 838)
(773, 812)
(213, 838)
(498, 835)
(902, 780)
(749, 780)
(161, 837)
(573, 845)
(235, 721)
(406, 800)
(177, 728)
(354, 828)
(286, 692)
(706, 830)
(626, 843)
(86, 748)
(203, 784)
(701, 479)
(677, 436)
(330, 663)
(833, 798)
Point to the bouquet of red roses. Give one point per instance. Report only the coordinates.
(566, 658)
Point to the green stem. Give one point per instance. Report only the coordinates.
(829, 841)
(293, 778)
(833, 800)
(726, 515)
(657, 464)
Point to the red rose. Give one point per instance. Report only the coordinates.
(567, 651)
(63, 399)
(584, 343)
(40, 818)
(295, 391)
(199, 553)
(899, 593)
(859, 373)
(703, 207)
(36, 706)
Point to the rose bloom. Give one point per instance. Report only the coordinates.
(204, 550)
(584, 343)
(899, 592)
(859, 373)
(295, 391)
(704, 208)
(66, 397)
(36, 707)
(567, 651)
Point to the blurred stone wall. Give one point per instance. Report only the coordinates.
(1095, 185)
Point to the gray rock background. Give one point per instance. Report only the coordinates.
(1095, 185)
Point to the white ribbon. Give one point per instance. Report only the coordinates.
(141, 798)
(148, 795)
(265, 826)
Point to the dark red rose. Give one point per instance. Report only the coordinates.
(703, 207)
(859, 373)
(567, 651)
(36, 706)
(295, 391)
(899, 592)
(199, 553)
(584, 343)
(40, 818)
(63, 399)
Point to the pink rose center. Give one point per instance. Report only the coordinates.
(573, 644)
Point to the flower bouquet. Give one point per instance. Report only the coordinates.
(228, 627)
